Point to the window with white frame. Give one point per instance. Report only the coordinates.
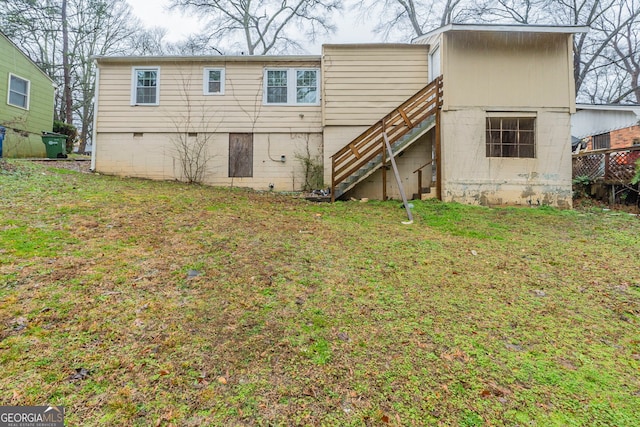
(146, 86)
(18, 92)
(291, 86)
(213, 81)
(511, 136)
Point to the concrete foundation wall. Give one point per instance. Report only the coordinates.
(469, 176)
(155, 156)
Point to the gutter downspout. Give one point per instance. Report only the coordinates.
(94, 133)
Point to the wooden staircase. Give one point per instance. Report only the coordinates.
(403, 126)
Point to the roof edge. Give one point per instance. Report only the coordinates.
(514, 28)
(372, 45)
(29, 59)
(610, 107)
(209, 58)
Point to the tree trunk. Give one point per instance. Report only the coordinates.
(68, 106)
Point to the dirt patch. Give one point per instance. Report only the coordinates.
(78, 165)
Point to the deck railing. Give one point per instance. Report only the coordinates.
(369, 144)
(611, 166)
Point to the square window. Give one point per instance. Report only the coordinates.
(510, 137)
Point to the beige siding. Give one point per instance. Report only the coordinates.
(184, 108)
(154, 156)
(362, 83)
(507, 70)
(469, 176)
(336, 137)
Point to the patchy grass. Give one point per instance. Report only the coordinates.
(143, 303)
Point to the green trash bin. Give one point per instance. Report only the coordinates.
(55, 144)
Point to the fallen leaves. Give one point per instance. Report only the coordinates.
(455, 355)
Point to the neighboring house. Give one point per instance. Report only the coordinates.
(493, 130)
(606, 126)
(26, 102)
(606, 146)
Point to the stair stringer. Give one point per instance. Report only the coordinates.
(376, 163)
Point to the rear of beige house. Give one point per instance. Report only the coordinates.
(508, 98)
(505, 132)
(215, 102)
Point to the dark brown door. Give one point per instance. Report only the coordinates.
(240, 155)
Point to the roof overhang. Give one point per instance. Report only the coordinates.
(635, 108)
(504, 28)
(370, 45)
(207, 59)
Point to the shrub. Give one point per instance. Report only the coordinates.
(66, 129)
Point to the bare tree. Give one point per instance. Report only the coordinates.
(414, 18)
(606, 59)
(607, 19)
(66, 68)
(100, 27)
(148, 42)
(194, 130)
(263, 26)
(626, 47)
(519, 11)
(61, 36)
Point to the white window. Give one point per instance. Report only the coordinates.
(18, 92)
(213, 80)
(145, 86)
(291, 86)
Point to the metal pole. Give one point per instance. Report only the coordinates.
(397, 174)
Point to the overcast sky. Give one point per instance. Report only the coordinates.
(154, 13)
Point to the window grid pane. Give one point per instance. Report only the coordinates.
(277, 87)
(510, 137)
(306, 87)
(215, 81)
(146, 87)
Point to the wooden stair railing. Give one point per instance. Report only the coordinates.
(370, 143)
(419, 172)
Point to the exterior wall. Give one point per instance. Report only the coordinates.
(336, 137)
(183, 105)
(471, 177)
(24, 127)
(154, 156)
(141, 140)
(507, 70)
(363, 83)
(623, 138)
(513, 73)
(620, 138)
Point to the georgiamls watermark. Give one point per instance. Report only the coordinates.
(31, 416)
